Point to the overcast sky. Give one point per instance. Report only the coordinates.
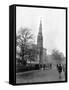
(53, 25)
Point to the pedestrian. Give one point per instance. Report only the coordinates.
(64, 70)
(59, 68)
(50, 66)
(44, 67)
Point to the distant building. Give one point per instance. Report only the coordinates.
(41, 56)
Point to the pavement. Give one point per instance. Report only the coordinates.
(39, 76)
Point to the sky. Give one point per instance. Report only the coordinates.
(53, 25)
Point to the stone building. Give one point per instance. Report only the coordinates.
(41, 56)
(41, 50)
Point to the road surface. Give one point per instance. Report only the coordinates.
(39, 76)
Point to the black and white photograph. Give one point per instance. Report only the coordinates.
(40, 45)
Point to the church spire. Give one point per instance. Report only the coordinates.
(40, 43)
(40, 36)
(40, 27)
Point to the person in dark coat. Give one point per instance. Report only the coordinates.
(59, 68)
(64, 70)
(44, 67)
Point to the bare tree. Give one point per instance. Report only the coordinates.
(23, 39)
(58, 56)
(32, 52)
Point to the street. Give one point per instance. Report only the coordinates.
(39, 76)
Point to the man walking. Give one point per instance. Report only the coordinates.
(59, 68)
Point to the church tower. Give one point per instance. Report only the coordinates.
(40, 44)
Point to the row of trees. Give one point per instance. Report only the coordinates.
(58, 56)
